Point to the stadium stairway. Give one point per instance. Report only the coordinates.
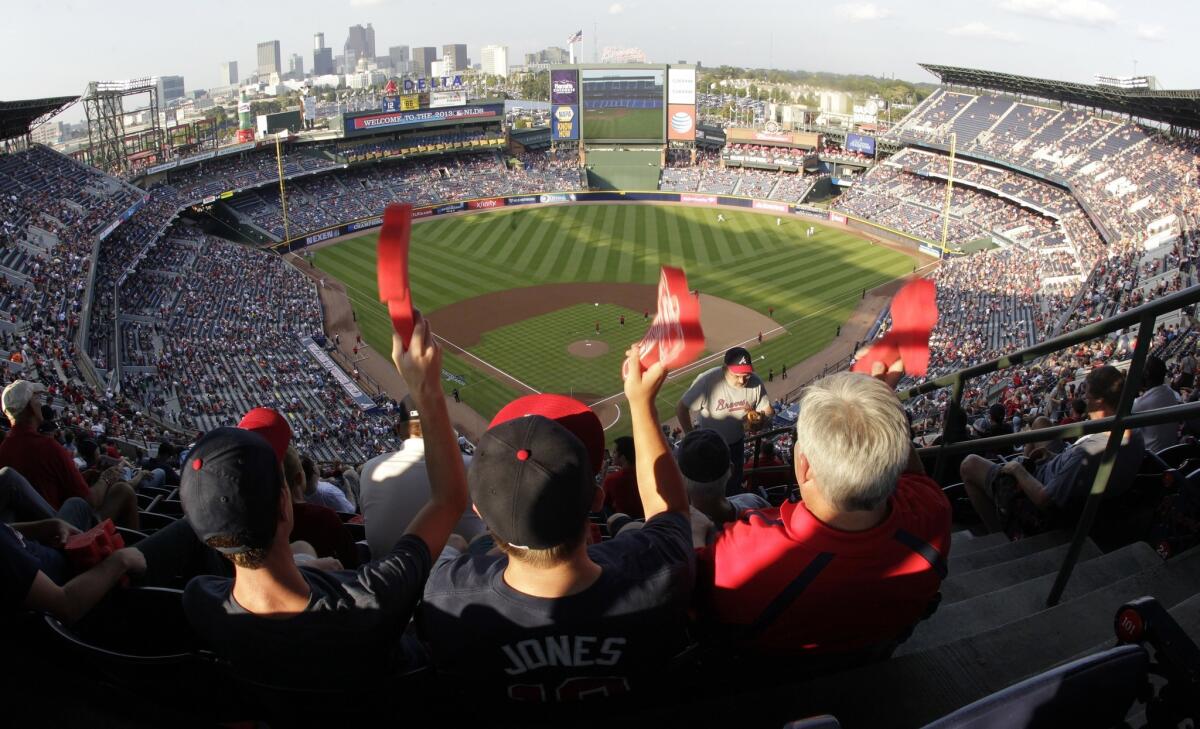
(991, 630)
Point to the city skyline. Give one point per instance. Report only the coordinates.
(1068, 40)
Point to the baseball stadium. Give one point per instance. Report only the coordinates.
(930, 458)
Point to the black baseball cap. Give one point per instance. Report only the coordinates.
(703, 456)
(230, 489)
(531, 481)
(737, 361)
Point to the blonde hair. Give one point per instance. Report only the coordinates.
(855, 436)
(541, 558)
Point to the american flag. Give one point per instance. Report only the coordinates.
(575, 38)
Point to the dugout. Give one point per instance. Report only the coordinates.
(623, 169)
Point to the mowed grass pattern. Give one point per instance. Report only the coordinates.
(537, 348)
(813, 283)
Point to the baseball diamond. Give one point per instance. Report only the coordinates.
(510, 290)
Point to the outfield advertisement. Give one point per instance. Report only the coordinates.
(681, 85)
(690, 199)
(566, 122)
(491, 202)
(775, 207)
(564, 87)
(837, 218)
(860, 143)
(440, 99)
(681, 122)
(373, 122)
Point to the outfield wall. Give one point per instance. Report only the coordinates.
(691, 199)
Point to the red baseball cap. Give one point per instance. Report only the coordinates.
(567, 412)
(738, 361)
(270, 425)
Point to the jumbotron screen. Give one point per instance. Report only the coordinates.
(624, 105)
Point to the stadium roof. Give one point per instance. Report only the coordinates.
(16, 117)
(1177, 108)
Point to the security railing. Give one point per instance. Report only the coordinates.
(1142, 317)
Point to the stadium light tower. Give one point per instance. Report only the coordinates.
(949, 189)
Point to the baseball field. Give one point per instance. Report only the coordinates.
(532, 300)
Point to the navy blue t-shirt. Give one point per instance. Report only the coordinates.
(352, 626)
(18, 569)
(593, 644)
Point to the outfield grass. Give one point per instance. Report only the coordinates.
(814, 284)
(604, 124)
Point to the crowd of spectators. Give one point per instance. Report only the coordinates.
(1127, 176)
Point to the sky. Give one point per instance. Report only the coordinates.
(55, 48)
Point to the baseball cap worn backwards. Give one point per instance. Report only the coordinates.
(18, 394)
(737, 361)
(532, 482)
(567, 412)
(230, 489)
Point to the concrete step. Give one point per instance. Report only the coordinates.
(964, 542)
(914, 689)
(994, 609)
(960, 563)
(960, 587)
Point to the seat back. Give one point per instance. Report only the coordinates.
(815, 722)
(1095, 691)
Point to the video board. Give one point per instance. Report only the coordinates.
(623, 104)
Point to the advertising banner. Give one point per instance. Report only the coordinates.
(366, 123)
(566, 122)
(689, 199)
(837, 218)
(556, 197)
(681, 86)
(521, 200)
(422, 213)
(449, 208)
(440, 99)
(359, 397)
(564, 87)
(491, 202)
(681, 122)
(860, 143)
(410, 102)
(776, 207)
(390, 104)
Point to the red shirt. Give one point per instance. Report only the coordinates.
(847, 590)
(321, 527)
(45, 464)
(621, 493)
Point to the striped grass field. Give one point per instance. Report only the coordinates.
(813, 283)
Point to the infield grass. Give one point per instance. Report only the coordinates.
(813, 283)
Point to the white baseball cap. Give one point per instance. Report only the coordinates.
(18, 394)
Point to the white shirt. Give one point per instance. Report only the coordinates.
(393, 488)
(1158, 436)
(723, 406)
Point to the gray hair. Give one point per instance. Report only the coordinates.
(706, 492)
(855, 436)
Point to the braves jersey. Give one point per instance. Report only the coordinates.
(722, 406)
(594, 644)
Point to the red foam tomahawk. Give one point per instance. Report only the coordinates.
(914, 314)
(675, 337)
(392, 269)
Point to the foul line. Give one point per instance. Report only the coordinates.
(713, 357)
(489, 365)
(614, 422)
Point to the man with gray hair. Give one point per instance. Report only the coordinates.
(857, 562)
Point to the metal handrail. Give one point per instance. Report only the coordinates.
(1144, 318)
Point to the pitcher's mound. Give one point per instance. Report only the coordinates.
(587, 348)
